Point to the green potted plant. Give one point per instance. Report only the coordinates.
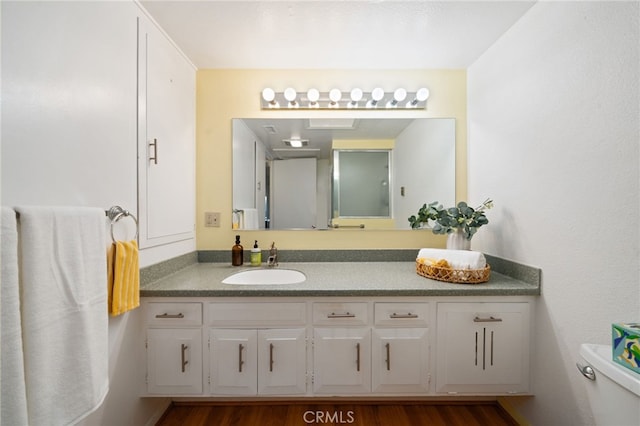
(460, 220)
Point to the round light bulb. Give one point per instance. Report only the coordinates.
(356, 95)
(335, 95)
(377, 94)
(422, 94)
(290, 94)
(399, 95)
(313, 95)
(268, 94)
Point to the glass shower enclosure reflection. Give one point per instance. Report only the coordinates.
(361, 184)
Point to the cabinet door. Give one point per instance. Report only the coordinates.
(400, 360)
(174, 361)
(282, 358)
(342, 360)
(483, 347)
(233, 363)
(166, 139)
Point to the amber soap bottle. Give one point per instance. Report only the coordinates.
(237, 253)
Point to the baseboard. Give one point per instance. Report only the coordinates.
(157, 415)
(507, 406)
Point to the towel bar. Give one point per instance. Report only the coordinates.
(115, 213)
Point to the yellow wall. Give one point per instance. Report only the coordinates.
(226, 94)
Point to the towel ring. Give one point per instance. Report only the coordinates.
(116, 213)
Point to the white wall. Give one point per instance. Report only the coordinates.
(69, 138)
(553, 137)
(434, 142)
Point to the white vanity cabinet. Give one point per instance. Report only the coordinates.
(342, 360)
(257, 362)
(400, 348)
(341, 348)
(250, 353)
(337, 346)
(483, 348)
(166, 139)
(173, 346)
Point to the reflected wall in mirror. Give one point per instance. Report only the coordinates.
(282, 169)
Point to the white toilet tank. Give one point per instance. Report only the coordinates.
(613, 391)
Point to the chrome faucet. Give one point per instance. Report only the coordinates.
(272, 260)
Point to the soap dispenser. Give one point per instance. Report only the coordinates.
(256, 255)
(237, 253)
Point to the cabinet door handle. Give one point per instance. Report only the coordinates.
(154, 144)
(342, 315)
(476, 357)
(240, 361)
(270, 356)
(184, 357)
(166, 315)
(388, 360)
(407, 315)
(490, 319)
(358, 356)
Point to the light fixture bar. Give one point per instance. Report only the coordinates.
(355, 99)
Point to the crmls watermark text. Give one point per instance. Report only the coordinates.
(336, 417)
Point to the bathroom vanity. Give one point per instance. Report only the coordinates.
(351, 329)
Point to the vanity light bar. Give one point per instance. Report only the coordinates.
(337, 99)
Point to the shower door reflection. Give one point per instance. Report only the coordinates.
(361, 184)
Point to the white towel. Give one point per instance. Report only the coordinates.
(13, 398)
(64, 312)
(250, 218)
(457, 259)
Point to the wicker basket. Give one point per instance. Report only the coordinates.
(460, 276)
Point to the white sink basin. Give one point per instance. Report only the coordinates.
(266, 277)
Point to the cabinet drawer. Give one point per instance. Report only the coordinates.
(341, 313)
(257, 314)
(402, 314)
(168, 313)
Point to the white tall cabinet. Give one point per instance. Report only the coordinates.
(166, 139)
(483, 347)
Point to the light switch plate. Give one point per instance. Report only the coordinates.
(212, 219)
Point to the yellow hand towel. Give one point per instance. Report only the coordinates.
(124, 277)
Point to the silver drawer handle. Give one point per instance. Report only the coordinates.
(343, 315)
(490, 319)
(407, 315)
(586, 371)
(166, 315)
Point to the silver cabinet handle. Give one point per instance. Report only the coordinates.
(586, 371)
(184, 360)
(154, 144)
(270, 356)
(240, 361)
(490, 319)
(342, 315)
(358, 356)
(166, 315)
(388, 360)
(407, 315)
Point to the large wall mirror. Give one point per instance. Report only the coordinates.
(290, 173)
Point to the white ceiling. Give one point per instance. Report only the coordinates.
(347, 34)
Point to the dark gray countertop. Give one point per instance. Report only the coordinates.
(331, 279)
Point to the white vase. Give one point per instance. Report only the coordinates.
(457, 241)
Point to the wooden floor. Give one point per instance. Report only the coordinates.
(356, 414)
